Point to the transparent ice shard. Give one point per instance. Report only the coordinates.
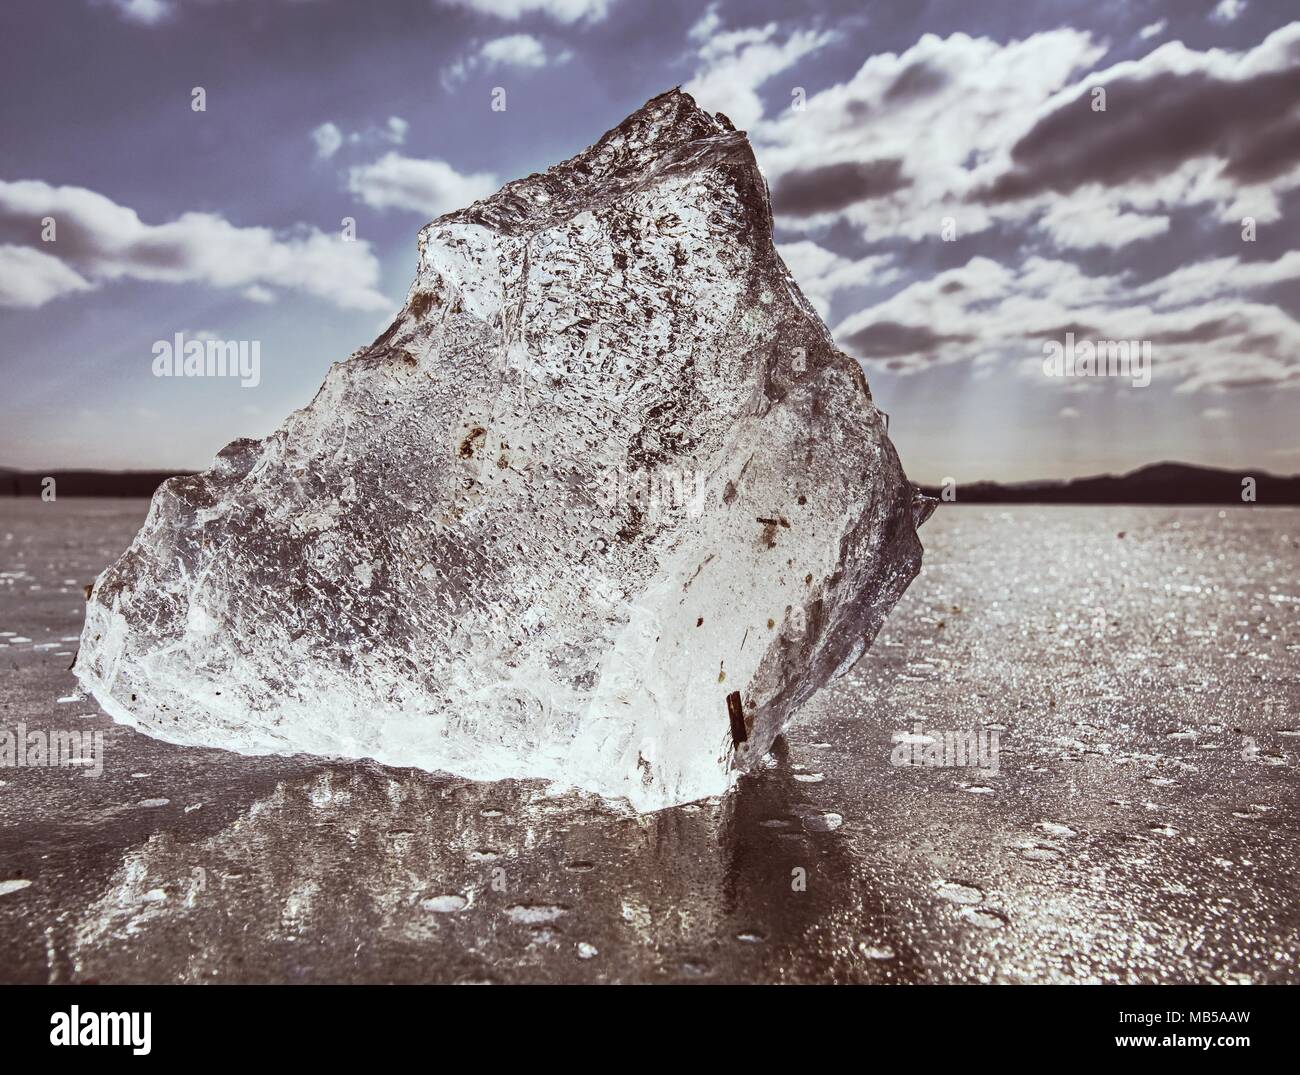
(605, 468)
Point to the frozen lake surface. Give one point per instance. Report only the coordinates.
(1138, 666)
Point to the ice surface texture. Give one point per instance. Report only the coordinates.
(606, 467)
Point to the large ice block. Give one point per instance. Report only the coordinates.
(606, 467)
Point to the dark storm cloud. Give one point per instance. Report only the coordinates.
(889, 339)
(834, 186)
(1251, 382)
(916, 80)
(1080, 330)
(80, 239)
(1268, 343)
(1152, 126)
(1277, 149)
(1205, 331)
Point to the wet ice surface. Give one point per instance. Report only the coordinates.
(1142, 824)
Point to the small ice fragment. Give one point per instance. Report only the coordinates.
(1039, 853)
(984, 917)
(958, 892)
(1054, 828)
(534, 914)
(827, 822)
(444, 904)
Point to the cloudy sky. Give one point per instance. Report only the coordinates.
(949, 193)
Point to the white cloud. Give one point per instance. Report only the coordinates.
(991, 313)
(523, 51)
(396, 129)
(1219, 277)
(1153, 29)
(733, 64)
(566, 11)
(515, 50)
(100, 241)
(29, 278)
(152, 12)
(706, 25)
(1088, 219)
(1228, 10)
(989, 134)
(941, 111)
(146, 12)
(911, 139)
(1068, 412)
(328, 139)
(820, 273)
(429, 187)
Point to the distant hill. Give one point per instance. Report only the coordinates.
(1159, 483)
(85, 482)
